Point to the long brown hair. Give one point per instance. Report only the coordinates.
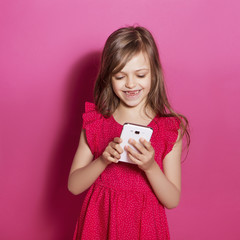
(119, 48)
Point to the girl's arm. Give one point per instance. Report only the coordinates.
(167, 185)
(84, 171)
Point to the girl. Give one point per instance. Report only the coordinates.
(127, 201)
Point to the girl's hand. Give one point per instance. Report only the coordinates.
(112, 151)
(144, 158)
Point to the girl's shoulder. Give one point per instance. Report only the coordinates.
(167, 129)
(172, 123)
(168, 123)
(92, 123)
(91, 115)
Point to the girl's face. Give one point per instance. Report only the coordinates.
(132, 84)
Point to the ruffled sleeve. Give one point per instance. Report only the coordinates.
(172, 125)
(91, 124)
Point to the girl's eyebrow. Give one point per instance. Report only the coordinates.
(140, 69)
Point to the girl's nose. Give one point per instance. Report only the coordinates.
(130, 82)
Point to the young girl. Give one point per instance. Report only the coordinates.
(127, 201)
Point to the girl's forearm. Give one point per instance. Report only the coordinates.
(166, 191)
(82, 178)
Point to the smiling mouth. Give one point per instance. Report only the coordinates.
(132, 93)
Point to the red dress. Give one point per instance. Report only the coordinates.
(121, 203)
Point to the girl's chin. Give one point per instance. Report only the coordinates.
(131, 103)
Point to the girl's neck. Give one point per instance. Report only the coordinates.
(137, 115)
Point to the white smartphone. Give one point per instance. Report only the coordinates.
(135, 132)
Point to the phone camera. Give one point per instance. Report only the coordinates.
(137, 132)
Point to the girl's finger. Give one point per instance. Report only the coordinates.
(136, 161)
(138, 146)
(117, 147)
(146, 144)
(133, 152)
(115, 154)
(109, 158)
(112, 151)
(113, 159)
(117, 140)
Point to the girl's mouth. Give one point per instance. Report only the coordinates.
(132, 93)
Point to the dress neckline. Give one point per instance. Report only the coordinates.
(121, 125)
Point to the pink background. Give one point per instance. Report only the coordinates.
(49, 56)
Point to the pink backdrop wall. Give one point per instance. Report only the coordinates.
(49, 56)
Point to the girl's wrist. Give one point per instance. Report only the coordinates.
(105, 162)
(151, 168)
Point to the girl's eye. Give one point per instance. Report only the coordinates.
(118, 78)
(141, 76)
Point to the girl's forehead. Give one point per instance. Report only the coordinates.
(139, 61)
